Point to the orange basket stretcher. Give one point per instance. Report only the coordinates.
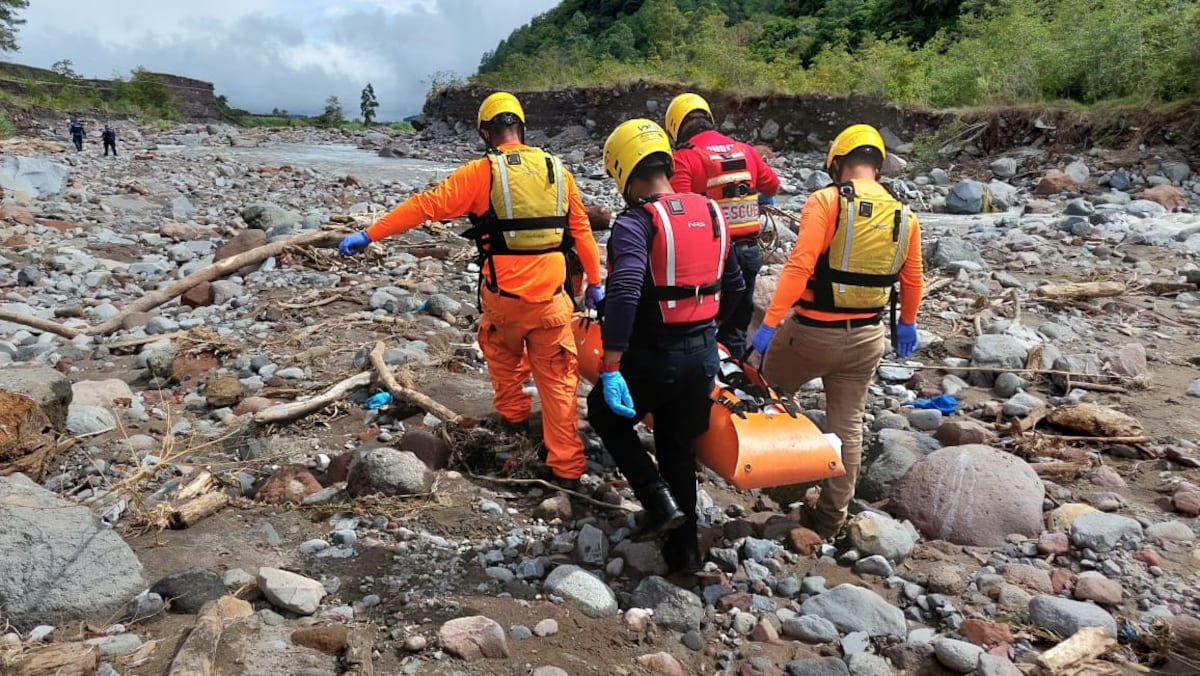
(752, 441)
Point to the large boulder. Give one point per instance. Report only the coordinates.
(595, 598)
(852, 608)
(675, 608)
(57, 561)
(966, 197)
(970, 495)
(388, 472)
(49, 388)
(30, 177)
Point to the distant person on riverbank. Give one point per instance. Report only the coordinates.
(76, 129)
(732, 173)
(527, 215)
(109, 137)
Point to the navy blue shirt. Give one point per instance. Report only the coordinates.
(631, 315)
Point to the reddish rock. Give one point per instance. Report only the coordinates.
(290, 484)
(1187, 503)
(1060, 579)
(764, 632)
(739, 600)
(1186, 630)
(18, 241)
(804, 541)
(252, 405)
(1167, 195)
(339, 468)
(764, 152)
(473, 638)
(241, 243)
(200, 295)
(1054, 543)
(1054, 182)
(599, 217)
(329, 640)
(1099, 589)
(190, 370)
(428, 446)
(984, 633)
(960, 432)
(1029, 577)
(1148, 557)
(661, 663)
(61, 226)
(1039, 206)
(13, 212)
(1107, 477)
(1000, 650)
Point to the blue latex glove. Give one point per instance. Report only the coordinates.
(906, 339)
(761, 340)
(379, 400)
(593, 295)
(354, 244)
(616, 394)
(943, 402)
(765, 199)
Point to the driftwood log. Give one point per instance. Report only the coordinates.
(174, 289)
(27, 440)
(405, 392)
(194, 510)
(1077, 651)
(292, 410)
(1081, 290)
(199, 651)
(60, 659)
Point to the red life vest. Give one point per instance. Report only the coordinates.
(687, 256)
(730, 181)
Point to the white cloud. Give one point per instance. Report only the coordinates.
(288, 54)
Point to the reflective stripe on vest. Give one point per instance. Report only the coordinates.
(731, 183)
(869, 248)
(687, 257)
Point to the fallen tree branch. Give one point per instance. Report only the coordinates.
(997, 369)
(193, 511)
(406, 393)
(1081, 290)
(48, 325)
(60, 659)
(546, 484)
(1096, 440)
(295, 409)
(1085, 645)
(198, 653)
(1096, 387)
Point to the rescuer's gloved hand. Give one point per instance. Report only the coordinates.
(766, 200)
(354, 244)
(906, 339)
(761, 340)
(593, 295)
(616, 394)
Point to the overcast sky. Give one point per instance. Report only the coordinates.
(289, 54)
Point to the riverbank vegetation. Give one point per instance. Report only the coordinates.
(941, 53)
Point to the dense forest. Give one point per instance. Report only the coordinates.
(934, 52)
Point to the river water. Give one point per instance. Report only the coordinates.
(330, 159)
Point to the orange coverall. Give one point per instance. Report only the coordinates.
(529, 334)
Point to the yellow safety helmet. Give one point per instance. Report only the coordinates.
(629, 144)
(498, 104)
(852, 137)
(680, 107)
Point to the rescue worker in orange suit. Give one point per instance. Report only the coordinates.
(732, 173)
(670, 267)
(526, 213)
(826, 319)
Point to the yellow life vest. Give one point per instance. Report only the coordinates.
(528, 205)
(859, 271)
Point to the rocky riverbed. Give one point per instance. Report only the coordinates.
(167, 512)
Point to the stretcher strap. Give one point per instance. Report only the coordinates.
(760, 397)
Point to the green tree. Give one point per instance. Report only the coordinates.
(333, 115)
(368, 104)
(65, 70)
(9, 22)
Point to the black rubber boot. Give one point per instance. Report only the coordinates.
(659, 514)
(682, 551)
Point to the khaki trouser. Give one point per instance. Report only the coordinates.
(845, 359)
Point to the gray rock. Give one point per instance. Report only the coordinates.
(1079, 207)
(289, 591)
(939, 176)
(1077, 171)
(675, 608)
(769, 131)
(58, 561)
(1176, 172)
(268, 216)
(818, 666)
(1004, 167)
(143, 607)
(388, 472)
(1193, 389)
(1171, 530)
(970, 495)
(32, 177)
(852, 608)
(810, 629)
(996, 351)
(88, 420)
(1004, 196)
(158, 357)
(592, 546)
(121, 644)
(1145, 209)
(944, 251)
(189, 589)
(956, 655)
(895, 451)
(759, 550)
(48, 388)
(1007, 384)
(966, 197)
(594, 597)
(874, 565)
(520, 632)
(439, 304)
(817, 180)
(643, 557)
(1021, 404)
(181, 209)
(925, 419)
(1065, 617)
(235, 578)
(873, 534)
(991, 665)
(1102, 532)
(867, 664)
